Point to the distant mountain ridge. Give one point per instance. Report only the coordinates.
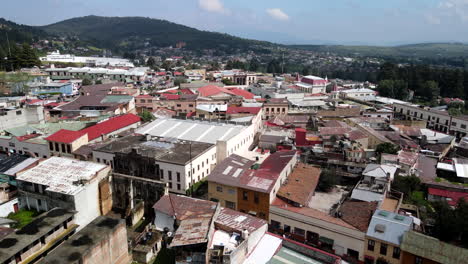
(124, 34)
(421, 50)
(130, 33)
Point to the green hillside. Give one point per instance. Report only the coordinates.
(130, 33)
(427, 50)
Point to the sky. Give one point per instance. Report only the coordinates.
(347, 22)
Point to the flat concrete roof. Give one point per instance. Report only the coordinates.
(19, 240)
(82, 243)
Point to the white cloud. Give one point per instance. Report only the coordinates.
(215, 6)
(277, 14)
(447, 10)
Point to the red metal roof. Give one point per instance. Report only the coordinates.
(103, 128)
(241, 92)
(455, 196)
(65, 136)
(144, 96)
(243, 110)
(171, 96)
(110, 125)
(26, 137)
(211, 90)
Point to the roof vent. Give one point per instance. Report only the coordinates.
(380, 228)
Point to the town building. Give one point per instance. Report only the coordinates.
(66, 183)
(202, 231)
(419, 248)
(229, 137)
(383, 238)
(96, 100)
(56, 88)
(15, 117)
(312, 84)
(66, 142)
(103, 241)
(55, 56)
(363, 94)
(30, 243)
(275, 107)
(179, 163)
(247, 187)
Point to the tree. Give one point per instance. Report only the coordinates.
(226, 81)
(327, 181)
(306, 71)
(388, 148)
(454, 111)
(151, 62)
(146, 116)
(179, 80)
(407, 185)
(86, 82)
(98, 82)
(432, 90)
(254, 65)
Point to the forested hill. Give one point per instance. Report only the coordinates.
(427, 50)
(18, 33)
(129, 33)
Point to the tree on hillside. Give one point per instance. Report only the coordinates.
(151, 62)
(387, 147)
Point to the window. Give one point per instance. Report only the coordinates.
(178, 105)
(142, 101)
(170, 185)
(417, 260)
(256, 199)
(51, 146)
(161, 172)
(370, 245)
(98, 160)
(396, 253)
(169, 173)
(219, 189)
(178, 176)
(463, 126)
(57, 147)
(18, 112)
(383, 249)
(68, 149)
(39, 202)
(231, 191)
(245, 196)
(63, 148)
(230, 205)
(454, 123)
(299, 232)
(178, 186)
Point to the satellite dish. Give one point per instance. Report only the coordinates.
(169, 234)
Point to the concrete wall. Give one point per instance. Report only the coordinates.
(343, 237)
(33, 149)
(163, 220)
(21, 117)
(227, 193)
(376, 252)
(8, 207)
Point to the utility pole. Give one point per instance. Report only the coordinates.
(9, 50)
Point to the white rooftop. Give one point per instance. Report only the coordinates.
(61, 175)
(207, 132)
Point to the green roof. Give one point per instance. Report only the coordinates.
(433, 249)
(117, 99)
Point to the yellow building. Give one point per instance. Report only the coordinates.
(383, 238)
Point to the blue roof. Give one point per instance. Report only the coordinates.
(389, 227)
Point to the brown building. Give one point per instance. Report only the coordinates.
(421, 249)
(275, 107)
(242, 185)
(103, 241)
